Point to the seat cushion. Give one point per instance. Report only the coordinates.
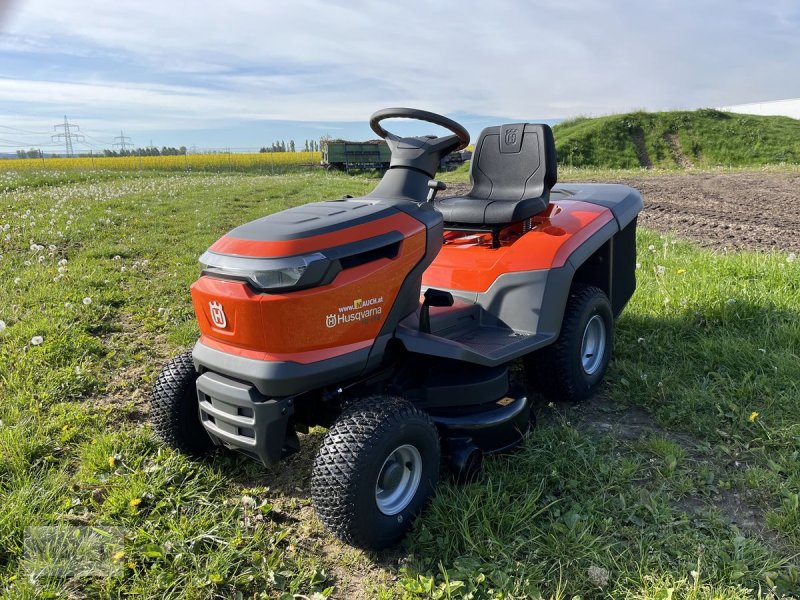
(469, 210)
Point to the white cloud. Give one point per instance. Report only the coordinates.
(201, 62)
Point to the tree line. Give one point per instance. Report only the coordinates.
(282, 146)
(150, 151)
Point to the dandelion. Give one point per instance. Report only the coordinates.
(598, 576)
(135, 502)
(753, 416)
(681, 271)
(2, 326)
(17, 280)
(37, 340)
(112, 461)
(652, 248)
(638, 265)
(62, 262)
(660, 269)
(791, 258)
(119, 555)
(117, 257)
(87, 301)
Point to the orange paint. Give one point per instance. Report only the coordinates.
(308, 325)
(468, 262)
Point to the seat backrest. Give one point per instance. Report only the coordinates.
(514, 162)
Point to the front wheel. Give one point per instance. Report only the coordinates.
(174, 410)
(573, 367)
(375, 471)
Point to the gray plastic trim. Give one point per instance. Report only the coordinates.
(280, 378)
(624, 202)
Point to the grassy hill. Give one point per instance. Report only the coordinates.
(701, 138)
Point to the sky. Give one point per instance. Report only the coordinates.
(243, 73)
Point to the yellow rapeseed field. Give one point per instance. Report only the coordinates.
(191, 162)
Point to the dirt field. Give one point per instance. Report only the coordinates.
(726, 211)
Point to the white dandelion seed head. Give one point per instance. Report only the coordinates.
(2, 326)
(37, 340)
(791, 258)
(87, 301)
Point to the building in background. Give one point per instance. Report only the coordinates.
(782, 108)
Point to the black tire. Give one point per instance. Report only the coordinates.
(557, 372)
(353, 456)
(174, 411)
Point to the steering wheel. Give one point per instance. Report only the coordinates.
(419, 115)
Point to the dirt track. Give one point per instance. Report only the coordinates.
(727, 211)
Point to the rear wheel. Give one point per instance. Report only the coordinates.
(375, 471)
(573, 367)
(174, 410)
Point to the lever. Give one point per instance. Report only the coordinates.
(433, 297)
(435, 186)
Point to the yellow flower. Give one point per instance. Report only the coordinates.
(215, 578)
(112, 461)
(681, 271)
(119, 555)
(135, 502)
(753, 416)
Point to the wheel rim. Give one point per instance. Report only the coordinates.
(398, 479)
(593, 346)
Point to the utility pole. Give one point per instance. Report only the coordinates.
(68, 135)
(122, 140)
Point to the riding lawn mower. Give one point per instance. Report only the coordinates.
(392, 320)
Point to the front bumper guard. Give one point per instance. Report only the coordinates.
(236, 415)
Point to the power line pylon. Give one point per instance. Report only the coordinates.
(68, 135)
(122, 141)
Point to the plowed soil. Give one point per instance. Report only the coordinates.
(725, 211)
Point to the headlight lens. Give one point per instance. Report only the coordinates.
(267, 273)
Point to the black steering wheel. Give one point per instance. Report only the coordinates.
(419, 115)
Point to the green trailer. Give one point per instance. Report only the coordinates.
(345, 155)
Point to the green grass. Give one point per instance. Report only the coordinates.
(681, 496)
(706, 138)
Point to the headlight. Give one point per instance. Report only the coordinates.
(268, 274)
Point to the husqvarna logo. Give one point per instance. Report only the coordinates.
(217, 314)
(330, 321)
(511, 136)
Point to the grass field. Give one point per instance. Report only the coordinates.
(682, 481)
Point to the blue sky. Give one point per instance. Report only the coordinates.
(242, 73)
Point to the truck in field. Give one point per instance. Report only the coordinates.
(346, 156)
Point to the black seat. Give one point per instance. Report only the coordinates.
(513, 168)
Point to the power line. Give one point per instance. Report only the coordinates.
(68, 135)
(24, 130)
(124, 140)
